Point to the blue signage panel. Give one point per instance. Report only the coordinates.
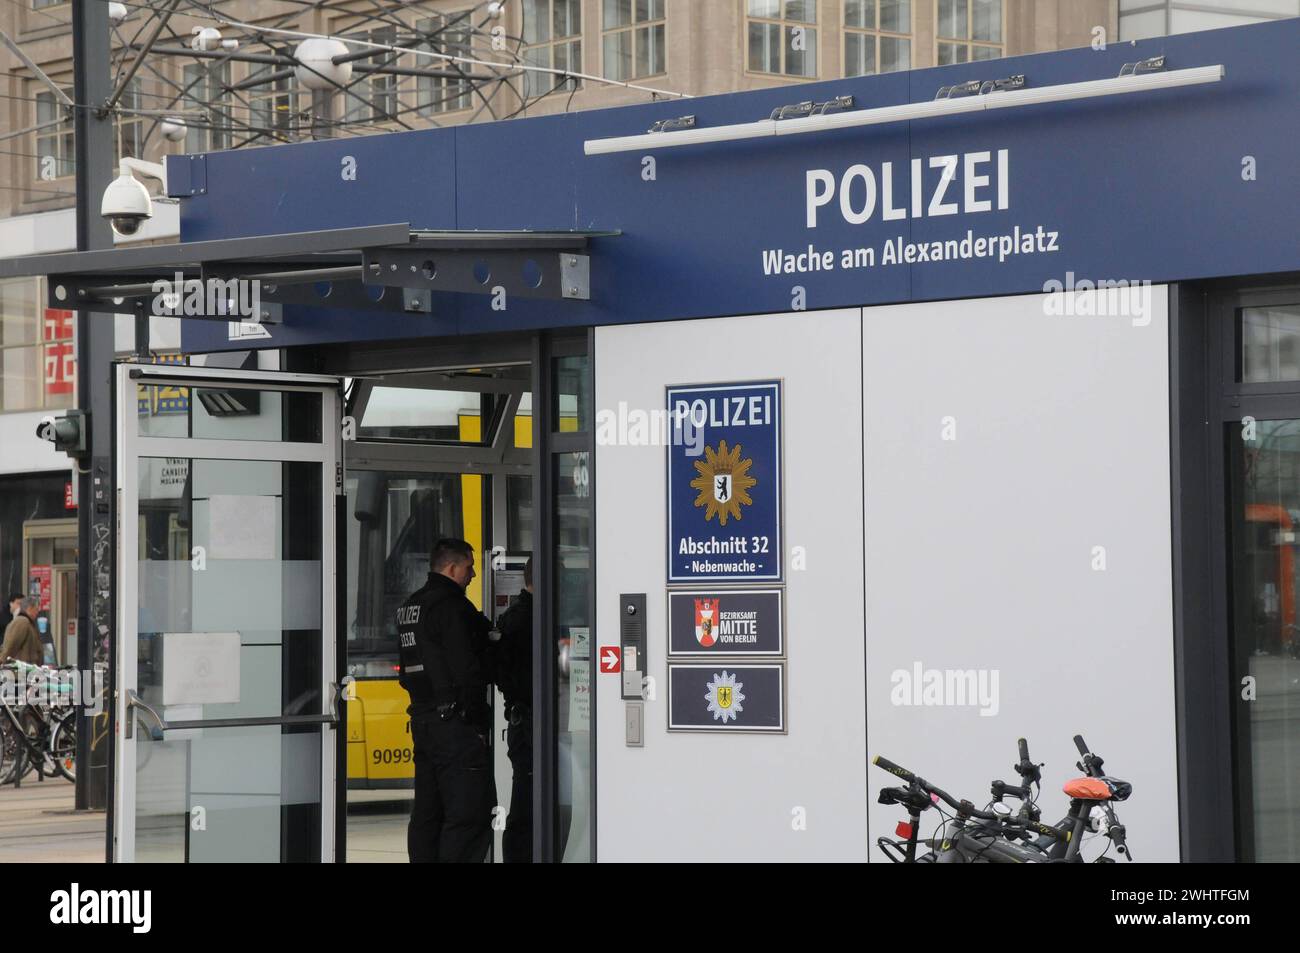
(724, 482)
(1162, 185)
(726, 698)
(725, 622)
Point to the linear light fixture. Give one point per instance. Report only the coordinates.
(1001, 99)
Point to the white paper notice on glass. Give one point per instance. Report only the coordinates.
(241, 527)
(579, 696)
(200, 668)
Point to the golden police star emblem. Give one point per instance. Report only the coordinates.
(723, 483)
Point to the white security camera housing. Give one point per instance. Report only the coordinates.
(117, 12)
(173, 129)
(205, 39)
(126, 204)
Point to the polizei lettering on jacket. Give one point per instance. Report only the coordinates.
(931, 187)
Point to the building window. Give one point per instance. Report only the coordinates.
(969, 30)
(374, 98)
(129, 126)
(206, 89)
(633, 39)
(54, 144)
(450, 35)
(877, 36)
(273, 106)
(553, 39)
(782, 36)
(42, 4)
(37, 367)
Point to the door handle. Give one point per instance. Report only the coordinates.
(134, 701)
(339, 691)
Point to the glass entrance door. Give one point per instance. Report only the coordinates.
(1261, 432)
(1264, 534)
(394, 519)
(225, 654)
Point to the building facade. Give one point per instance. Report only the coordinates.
(686, 46)
(981, 458)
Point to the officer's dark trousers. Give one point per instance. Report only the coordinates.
(517, 841)
(451, 820)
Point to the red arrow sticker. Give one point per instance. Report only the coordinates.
(611, 659)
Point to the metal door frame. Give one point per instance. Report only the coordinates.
(130, 447)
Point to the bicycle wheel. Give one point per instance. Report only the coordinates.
(14, 757)
(7, 756)
(34, 751)
(63, 744)
(17, 761)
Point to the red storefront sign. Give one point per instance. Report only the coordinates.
(60, 359)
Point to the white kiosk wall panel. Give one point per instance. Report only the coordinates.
(699, 797)
(981, 550)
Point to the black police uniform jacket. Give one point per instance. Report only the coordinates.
(443, 651)
(515, 651)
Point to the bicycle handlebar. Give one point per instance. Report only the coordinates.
(1010, 789)
(1089, 763)
(965, 808)
(894, 769)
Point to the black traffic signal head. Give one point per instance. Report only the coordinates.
(69, 433)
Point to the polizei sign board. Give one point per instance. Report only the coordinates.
(724, 483)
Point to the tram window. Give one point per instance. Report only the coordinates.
(394, 520)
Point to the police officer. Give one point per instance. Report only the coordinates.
(445, 668)
(515, 678)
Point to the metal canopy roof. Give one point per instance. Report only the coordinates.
(375, 267)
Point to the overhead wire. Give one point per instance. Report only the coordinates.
(389, 102)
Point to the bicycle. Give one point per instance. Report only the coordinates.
(35, 735)
(993, 837)
(993, 841)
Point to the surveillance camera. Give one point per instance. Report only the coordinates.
(126, 204)
(173, 129)
(205, 39)
(117, 12)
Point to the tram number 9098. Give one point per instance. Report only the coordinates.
(392, 755)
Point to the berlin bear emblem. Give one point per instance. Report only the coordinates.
(706, 621)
